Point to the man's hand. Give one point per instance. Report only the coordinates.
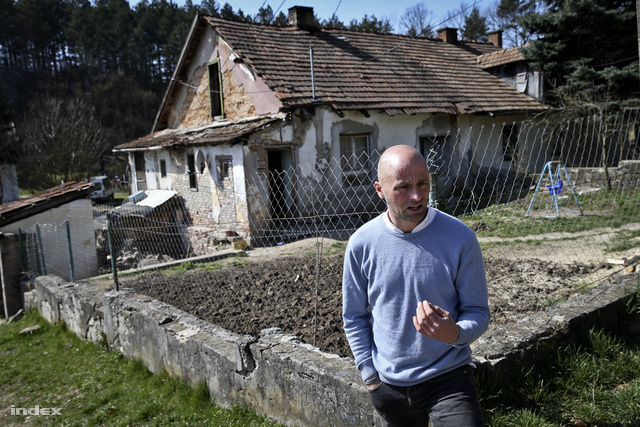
(434, 322)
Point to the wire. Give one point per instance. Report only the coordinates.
(336, 11)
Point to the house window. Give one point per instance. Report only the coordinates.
(215, 89)
(163, 168)
(355, 159)
(509, 142)
(191, 171)
(223, 163)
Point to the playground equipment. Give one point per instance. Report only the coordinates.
(556, 185)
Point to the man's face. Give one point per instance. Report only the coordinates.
(405, 187)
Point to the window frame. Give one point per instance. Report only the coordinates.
(163, 168)
(192, 171)
(354, 176)
(223, 166)
(216, 99)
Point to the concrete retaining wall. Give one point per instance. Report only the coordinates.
(274, 374)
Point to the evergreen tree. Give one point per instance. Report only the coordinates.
(475, 26)
(373, 24)
(587, 50)
(281, 19)
(9, 148)
(210, 7)
(334, 22)
(265, 15)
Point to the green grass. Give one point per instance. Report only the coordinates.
(601, 209)
(593, 383)
(626, 239)
(120, 195)
(52, 368)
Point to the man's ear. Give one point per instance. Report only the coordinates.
(378, 188)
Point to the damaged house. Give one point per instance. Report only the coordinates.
(265, 122)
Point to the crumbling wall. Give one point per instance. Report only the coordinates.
(276, 375)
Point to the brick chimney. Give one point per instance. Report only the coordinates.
(448, 35)
(302, 17)
(495, 37)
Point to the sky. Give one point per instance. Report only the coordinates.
(351, 9)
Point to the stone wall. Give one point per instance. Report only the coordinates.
(627, 171)
(275, 374)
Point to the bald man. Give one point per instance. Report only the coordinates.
(414, 299)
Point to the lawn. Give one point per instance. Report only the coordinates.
(595, 383)
(50, 368)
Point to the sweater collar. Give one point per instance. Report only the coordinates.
(431, 214)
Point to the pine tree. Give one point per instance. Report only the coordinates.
(475, 26)
(587, 50)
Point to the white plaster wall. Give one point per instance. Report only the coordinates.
(79, 213)
(153, 173)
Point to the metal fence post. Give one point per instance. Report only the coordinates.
(114, 270)
(23, 251)
(71, 270)
(40, 250)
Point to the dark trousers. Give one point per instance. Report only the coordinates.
(450, 399)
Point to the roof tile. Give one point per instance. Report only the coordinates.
(364, 70)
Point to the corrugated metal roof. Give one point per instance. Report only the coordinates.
(156, 198)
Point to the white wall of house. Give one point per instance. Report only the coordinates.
(79, 213)
(474, 143)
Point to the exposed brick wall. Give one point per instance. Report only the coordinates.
(196, 109)
(207, 230)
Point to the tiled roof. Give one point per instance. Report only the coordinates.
(500, 57)
(361, 70)
(219, 132)
(48, 199)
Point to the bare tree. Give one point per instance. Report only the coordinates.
(417, 21)
(62, 141)
(506, 15)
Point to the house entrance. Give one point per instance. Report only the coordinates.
(281, 183)
(141, 180)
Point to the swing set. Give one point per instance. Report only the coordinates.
(556, 186)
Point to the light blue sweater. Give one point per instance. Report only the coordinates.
(389, 272)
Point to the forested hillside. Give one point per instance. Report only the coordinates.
(78, 77)
(100, 64)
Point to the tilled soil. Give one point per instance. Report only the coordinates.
(303, 297)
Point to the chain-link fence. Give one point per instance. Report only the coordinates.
(556, 209)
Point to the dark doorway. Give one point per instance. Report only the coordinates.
(281, 186)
